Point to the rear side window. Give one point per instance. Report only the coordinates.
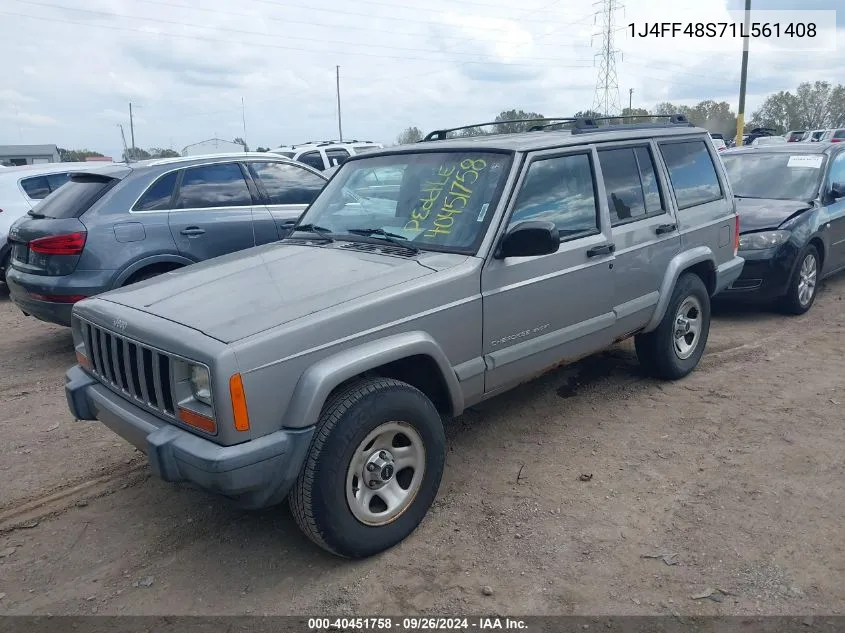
(75, 197)
(560, 190)
(312, 159)
(36, 187)
(287, 184)
(57, 180)
(336, 156)
(692, 173)
(630, 183)
(219, 185)
(158, 196)
(839, 134)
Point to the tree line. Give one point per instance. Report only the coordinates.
(816, 105)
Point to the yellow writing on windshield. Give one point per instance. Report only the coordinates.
(456, 184)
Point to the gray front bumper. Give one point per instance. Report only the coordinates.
(256, 474)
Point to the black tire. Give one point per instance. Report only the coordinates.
(791, 302)
(318, 499)
(4, 267)
(656, 350)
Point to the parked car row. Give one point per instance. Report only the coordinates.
(313, 360)
(323, 155)
(833, 135)
(114, 225)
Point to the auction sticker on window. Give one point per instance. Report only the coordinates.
(811, 161)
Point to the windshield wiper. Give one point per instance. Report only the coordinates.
(34, 214)
(393, 238)
(322, 231)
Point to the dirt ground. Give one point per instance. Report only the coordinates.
(729, 483)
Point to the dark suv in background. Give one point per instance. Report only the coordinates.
(115, 226)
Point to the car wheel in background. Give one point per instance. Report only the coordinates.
(373, 469)
(675, 347)
(804, 285)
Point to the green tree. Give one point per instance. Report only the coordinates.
(534, 118)
(240, 141)
(262, 149)
(587, 114)
(159, 152)
(135, 153)
(628, 113)
(76, 155)
(409, 135)
(813, 106)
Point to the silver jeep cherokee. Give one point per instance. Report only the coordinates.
(422, 280)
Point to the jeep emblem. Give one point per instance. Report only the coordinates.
(120, 324)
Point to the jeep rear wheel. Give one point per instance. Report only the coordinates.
(373, 469)
(674, 348)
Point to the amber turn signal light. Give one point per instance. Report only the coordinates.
(239, 410)
(198, 421)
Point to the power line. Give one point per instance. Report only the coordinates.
(255, 33)
(606, 99)
(295, 49)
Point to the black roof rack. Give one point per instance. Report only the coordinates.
(580, 125)
(439, 135)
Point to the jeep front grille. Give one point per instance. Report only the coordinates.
(138, 372)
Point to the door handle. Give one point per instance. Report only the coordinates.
(192, 231)
(604, 249)
(665, 228)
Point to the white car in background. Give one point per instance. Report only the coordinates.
(768, 140)
(324, 155)
(22, 188)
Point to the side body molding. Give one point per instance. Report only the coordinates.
(677, 265)
(317, 382)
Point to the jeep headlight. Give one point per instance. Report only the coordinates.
(762, 240)
(200, 384)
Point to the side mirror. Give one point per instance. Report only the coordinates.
(529, 239)
(837, 190)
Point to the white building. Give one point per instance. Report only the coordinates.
(212, 146)
(15, 155)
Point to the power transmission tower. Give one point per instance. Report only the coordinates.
(606, 99)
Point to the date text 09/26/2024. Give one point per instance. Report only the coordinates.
(416, 624)
(754, 30)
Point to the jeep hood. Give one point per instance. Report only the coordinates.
(238, 295)
(758, 214)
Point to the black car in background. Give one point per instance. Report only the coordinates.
(791, 204)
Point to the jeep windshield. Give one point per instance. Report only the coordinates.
(439, 201)
(775, 175)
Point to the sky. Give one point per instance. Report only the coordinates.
(265, 70)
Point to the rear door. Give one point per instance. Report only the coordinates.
(643, 228)
(212, 215)
(313, 159)
(287, 189)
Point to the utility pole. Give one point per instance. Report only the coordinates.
(243, 118)
(743, 77)
(630, 99)
(339, 126)
(606, 99)
(131, 128)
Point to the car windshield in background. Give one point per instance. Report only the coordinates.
(73, 198)
(775, 175)
(438, 201)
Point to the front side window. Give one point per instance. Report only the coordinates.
(692, 173)
(774, 175)
(631, 184)
(218, 185)
(560, 190)
(157, 197)
(336, 156)
(435, 200)
(287, 184)
(837, 170)
(312, 159)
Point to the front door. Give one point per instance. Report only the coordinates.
(213, 212)
(542, 311)
(288, 190)
(836, 214)
(643, 228)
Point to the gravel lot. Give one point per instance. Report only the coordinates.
(728, 483)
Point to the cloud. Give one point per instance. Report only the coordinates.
(186, 66)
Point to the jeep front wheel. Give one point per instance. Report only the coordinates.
(373, 469)
(674, 348)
